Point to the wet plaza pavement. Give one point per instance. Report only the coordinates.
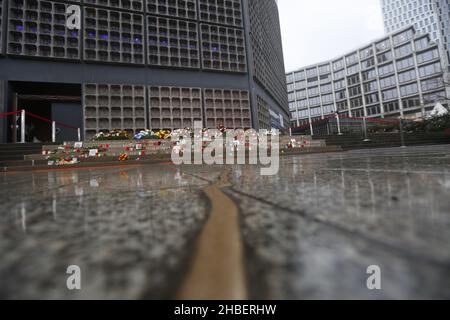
(309, 232)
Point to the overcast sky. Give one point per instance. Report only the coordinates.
(318, 30)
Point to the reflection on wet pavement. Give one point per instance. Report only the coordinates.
(128, 230)
(312, 231)
(309, 232)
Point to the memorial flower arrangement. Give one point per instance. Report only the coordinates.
(66, 154)
(135, 147)
(163, 134)
(221, 128)
(62, 159)
(296, 144)
(112, 135)
(146, 135)
(67, 161)
(152, 135)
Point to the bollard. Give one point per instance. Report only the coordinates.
(53, 131)
(366, 137)
(79, 134)
(22, 126)
(338, 121)
(402, 134)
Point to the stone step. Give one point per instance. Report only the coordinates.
(312, 150)
(26, 165)
(20, 151)
(17, 151)
(10, 157)
(21, 163)
(385, 140)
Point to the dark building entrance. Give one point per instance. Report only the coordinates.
(46, 102)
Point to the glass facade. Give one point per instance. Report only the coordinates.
(426, 16)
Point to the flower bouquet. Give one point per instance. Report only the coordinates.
(145, 135)
(112, 135)
(163, 134)
(66, 161)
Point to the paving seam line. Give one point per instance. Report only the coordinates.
(217, 269)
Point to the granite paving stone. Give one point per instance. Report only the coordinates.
(309, 232)
(129, 231)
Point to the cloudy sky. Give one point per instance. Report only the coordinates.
(317, 30)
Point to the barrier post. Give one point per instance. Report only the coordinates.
(338, 121)
(53, 131)
(311, 127)
(366, 137)
(402, 134)
(15, 118)
(22, 126)
(79, 135)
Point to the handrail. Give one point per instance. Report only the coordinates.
(50, 121)
(38, 117)
(372, 120)
(10, 113)
(24, 112)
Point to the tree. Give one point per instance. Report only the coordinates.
(443, 98)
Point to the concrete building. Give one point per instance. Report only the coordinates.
(136, 64)
(427, 16)
(400, 74)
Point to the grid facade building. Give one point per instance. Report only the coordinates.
(427, 16)
(398, 75)
(1, 25)
(268, 60)
(158, 64)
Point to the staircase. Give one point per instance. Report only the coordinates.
(384, 140)
(14, 153)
